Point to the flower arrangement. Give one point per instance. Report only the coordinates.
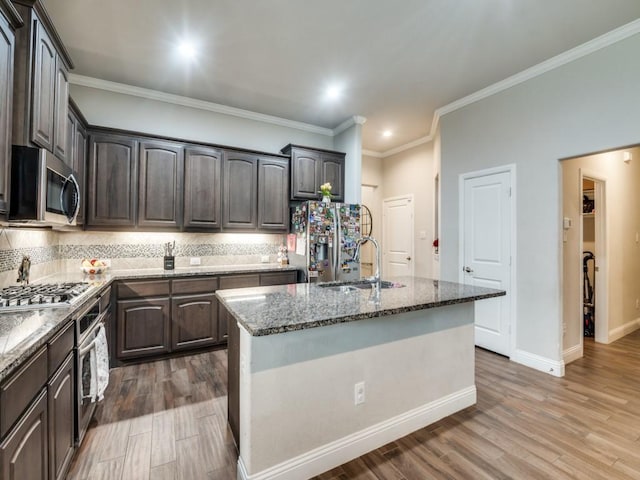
(325, 189)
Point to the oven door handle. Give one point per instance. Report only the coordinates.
(87, 349)
(91, 346)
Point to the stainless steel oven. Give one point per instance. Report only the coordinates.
(88, 323)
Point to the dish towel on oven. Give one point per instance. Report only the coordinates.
(99, 364)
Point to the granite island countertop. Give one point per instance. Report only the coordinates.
(278, 309)
(24, 331)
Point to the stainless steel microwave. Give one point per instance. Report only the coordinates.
(44, 189)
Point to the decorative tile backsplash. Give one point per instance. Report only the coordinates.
(157, 250)
(61, 249)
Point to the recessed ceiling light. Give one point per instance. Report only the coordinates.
(387, 133)
(187, 49)
(334, 92)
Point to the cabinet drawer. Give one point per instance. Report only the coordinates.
(60, 346)
(239, 281)
(278, 278)
(194, 285)
(151, 288)
(21, 388)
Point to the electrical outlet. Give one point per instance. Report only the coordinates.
(194, 261)
(637, 303)
(358, 393)
(264, 259)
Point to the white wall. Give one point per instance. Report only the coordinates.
(413, 172)
(128, 112)
(350, 142)
(585, 106)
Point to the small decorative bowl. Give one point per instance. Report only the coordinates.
(94, 270)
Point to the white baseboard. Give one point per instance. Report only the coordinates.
(352, 446)
(572, 353)
(619, 332)
(538, 362)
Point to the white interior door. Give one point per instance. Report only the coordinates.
(397, 234)
(486, 253)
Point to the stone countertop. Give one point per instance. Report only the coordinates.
(285, 308)
(24, 331)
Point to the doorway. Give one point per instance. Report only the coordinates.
(593, 245)
(486, 251)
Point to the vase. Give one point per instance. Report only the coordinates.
(326, 199)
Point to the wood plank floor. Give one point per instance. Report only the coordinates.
(161, 420)
(167, 420)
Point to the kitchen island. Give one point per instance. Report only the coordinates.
(319, 375)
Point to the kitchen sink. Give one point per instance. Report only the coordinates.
(357, 284)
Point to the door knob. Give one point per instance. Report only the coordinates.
(467, 270)
(408, 259)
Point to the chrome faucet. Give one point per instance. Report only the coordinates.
(356, 256)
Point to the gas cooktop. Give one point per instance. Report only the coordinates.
(41, 295)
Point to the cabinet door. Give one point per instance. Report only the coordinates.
(60, 392)
(160, 185)
(202, 188)
(112, 185)
(72, 122)
(240, 207)
(143, 327)
(273, 195)
(81, 141)
(23, 454)
(305, 169)
(332, 171)
(44, 87)
(7, 48)
(61, 112)
(195, 321)
(233, 377)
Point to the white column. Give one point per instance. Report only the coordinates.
(348, 139)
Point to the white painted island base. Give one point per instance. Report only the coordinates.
(297, 412)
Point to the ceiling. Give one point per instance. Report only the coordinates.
(397, 61)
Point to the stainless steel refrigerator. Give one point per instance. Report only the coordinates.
(327, 235)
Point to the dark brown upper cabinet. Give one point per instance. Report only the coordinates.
(273, 193)
(9, 21)
(41, 82)
(44, 90)
(202, 188)
(240, 190)
(78, 148)
(160, 184)
(60, 113)
(311, 167)
(112, 181)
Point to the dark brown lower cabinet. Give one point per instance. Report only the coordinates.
(194, 321)
(24, 452)
(143, 327)
(158, 317)
(61, 419)
(233, 378)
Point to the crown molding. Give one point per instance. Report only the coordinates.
(598, 43)
(193, 103)
(371, 153)
(559, 60)
(348, 123)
